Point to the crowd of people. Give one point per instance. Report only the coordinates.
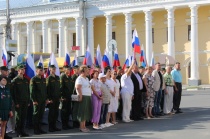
(102, 98)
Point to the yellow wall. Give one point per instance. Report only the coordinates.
(182, 45)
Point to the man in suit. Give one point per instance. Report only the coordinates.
(159, 85)
(136, 113)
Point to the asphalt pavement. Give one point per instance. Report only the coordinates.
(194, 123)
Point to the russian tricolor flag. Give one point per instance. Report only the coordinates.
(40, 63)
(30, 67)
(126, 64)
(143, 57)
(105, 60)
(136, 42)
(75, 62)
(4, 56)
(67, 61)
(98, 59)
(116, 62)
(88, 59)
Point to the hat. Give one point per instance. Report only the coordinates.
(67, 66)
(101, 75)
(4, 68)
(141, 67)
(21, 66)
(52, 66)
(89, 66)
(76, 67)
(39, 67)
(119, 67)
(97, 66)
(128, 67)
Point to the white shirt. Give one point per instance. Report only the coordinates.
(96, 84)
(117, 87)
(139, 79)
(111, 84)
(126, 84)
(86, 88)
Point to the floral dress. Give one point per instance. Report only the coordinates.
(5, 103)
(150, 98)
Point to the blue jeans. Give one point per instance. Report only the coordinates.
(104, 111)
(158, 95)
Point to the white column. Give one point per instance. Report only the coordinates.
(29, 36)
(91, 36)
(108, 29)
(45, 36)
(171, 49)
(14, 31)
(1, 41)
(66, 41)
(19, 47)
(148, 32)
(78, 35)
(128, 34)
(61, 37)
(194, 43)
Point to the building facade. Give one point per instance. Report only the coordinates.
(176, 28)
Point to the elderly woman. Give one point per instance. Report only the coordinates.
(150, 94)
(96, 98)
(169, 91)
(117, 94)
(84, 91)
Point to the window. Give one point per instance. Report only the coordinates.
(113, 35)
(57, 47)
(153, 35)
(189, 32)
(74, 39)
(41, 41)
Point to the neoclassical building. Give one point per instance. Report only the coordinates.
(175, 28)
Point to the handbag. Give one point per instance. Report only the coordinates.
(74, 96)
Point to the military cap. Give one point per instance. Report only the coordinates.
(128, 67)
(20, 66)
(141, 67)
(89, 66)
(52, 66)
(163, 69)
(76, 67)
(39, 67)
(97, 66)
(119, 67)
(67, 66)
(4, 68)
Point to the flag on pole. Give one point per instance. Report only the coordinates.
(136, 42)
(126, 64)
(53, 61)
(152, 62)
(67, 61)
(30, 67)
(88, 59)
(116, 62)
(4, 56)
(40, 63)
(75, 62)
(98, 60)
(142, 57)
(105, 60)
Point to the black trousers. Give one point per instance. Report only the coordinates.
(136, 106)
(177, 96)
(119, 110)
(53, 113)
(65, 112)
(162, 100)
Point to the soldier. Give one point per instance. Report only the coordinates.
(66, 86)
(75, 105)
(53, 95)
(21, 97)
(38, 95)
(5, 73)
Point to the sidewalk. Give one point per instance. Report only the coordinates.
(200, 87)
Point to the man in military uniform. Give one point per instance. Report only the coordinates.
(53, 96)
(74, 110)
(66, 86)
(5, 73)
(38, 95)
(21, 97)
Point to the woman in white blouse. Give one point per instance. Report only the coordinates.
(96, 98)
(117, 95)
(84, 91)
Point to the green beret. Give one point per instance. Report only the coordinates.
(39, 67)
(76, 67)
(141, 67)
(4, 68)
(21, 66)
(52, 66)
(67, 66)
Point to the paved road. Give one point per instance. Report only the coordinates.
(194, 123)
